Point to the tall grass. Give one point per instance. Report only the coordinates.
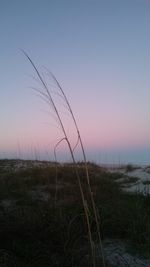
(89, 208)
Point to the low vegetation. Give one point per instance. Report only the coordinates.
(130, 168)
(41, 228)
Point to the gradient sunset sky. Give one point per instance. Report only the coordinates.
(99, 50)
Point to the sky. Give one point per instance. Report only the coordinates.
(99, 51)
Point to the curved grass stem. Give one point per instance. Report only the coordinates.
(49, 99)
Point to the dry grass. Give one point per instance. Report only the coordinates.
(46, 94)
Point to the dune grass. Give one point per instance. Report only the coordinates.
(34, 232)
(46, 93)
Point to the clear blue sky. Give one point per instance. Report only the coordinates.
(99, 51)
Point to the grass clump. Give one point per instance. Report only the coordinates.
(130, 168)
(146, 182)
